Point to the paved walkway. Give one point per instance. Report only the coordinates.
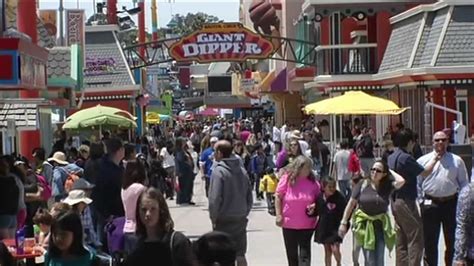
(265, 241)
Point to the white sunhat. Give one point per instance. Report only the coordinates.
(77, 196)
(59, 157)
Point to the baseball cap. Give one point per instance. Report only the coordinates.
(214, 139)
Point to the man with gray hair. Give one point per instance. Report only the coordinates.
(230, 198)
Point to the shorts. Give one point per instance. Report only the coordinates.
(7, 221)
(237, 229)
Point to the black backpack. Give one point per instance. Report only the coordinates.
(9, 195)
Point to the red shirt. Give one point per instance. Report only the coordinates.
(354, 163)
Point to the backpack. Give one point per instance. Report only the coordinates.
(71, 178)
(47, 191)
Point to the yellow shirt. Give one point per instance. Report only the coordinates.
(268, 183)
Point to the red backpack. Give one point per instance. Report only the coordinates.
(47, 191)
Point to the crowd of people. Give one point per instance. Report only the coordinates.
(84, 205)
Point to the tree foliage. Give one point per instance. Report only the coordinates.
(183, 25)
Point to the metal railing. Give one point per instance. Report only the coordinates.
(194, 93)
(346, 59)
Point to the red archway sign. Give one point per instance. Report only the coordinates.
(221, 42)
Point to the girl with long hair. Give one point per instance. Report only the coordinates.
(372, 225)
(329, 207)
(158, 243)
(66, 245)
(132, 187)
(296, 190)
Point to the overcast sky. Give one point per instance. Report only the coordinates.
(227, 10)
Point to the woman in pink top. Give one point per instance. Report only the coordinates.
(132, 187)
(297, 189)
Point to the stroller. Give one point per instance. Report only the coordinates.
(115, 240)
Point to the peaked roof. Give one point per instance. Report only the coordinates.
(44, 39)
(105, 65)
(439, 35)
(59, 62)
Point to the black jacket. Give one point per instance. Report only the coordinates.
(9, 195)
(106, 193)
(161, 252)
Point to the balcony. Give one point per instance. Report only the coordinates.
(191, 98)
(346, 59)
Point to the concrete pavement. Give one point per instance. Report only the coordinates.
(265, 240)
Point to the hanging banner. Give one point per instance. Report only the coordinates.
(75, 23)
(221, 42)
(49, 18)
(75, 28)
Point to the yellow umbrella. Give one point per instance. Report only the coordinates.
(354, 102)
(152, 118)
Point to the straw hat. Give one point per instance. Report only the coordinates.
(59, 157)
(296, 134)
(77, 196)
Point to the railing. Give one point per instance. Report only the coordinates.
(346, 59)
(195, 93)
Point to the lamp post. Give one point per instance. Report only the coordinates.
(141, 27)
(154, 20)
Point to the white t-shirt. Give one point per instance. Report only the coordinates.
(276, 134)
(341, 159)
(168, 159)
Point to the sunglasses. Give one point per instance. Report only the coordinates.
(440, 140)
(376, 170)
(294, 144)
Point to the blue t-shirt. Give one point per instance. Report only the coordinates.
(207, 157)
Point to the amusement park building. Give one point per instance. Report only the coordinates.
(37, 78)
(417, 53)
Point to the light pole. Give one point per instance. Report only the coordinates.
(61, 22)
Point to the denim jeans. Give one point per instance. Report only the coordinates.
(376, 257)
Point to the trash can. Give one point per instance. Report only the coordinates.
(465, 152)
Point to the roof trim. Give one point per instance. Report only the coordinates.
(101, 28)
(324, 81)
(67, 82)
(419, 35)
(417, 10)
(442, 36)
(112, 89)
(129, 71)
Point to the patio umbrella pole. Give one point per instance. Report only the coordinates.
(100, 132)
